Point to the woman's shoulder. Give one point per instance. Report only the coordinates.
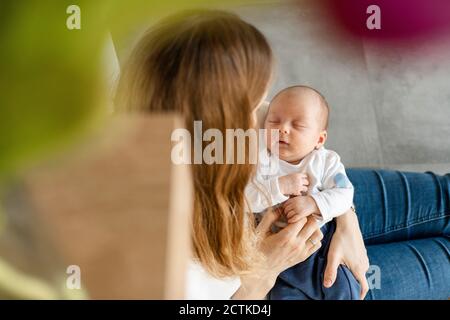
(200, 285)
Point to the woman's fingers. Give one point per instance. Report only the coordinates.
(317, 236)
(330, 273)
(294, 217)
(359, 271)
(308, 229)
(314, 241)
(313, 248)
(290, 213)
(268, 219)
(291, 231)
(361, 277)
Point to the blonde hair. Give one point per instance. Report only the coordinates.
(214, 67)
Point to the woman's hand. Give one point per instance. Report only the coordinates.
(282, 250)
(347, 247)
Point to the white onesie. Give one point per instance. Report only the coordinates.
(328, 183)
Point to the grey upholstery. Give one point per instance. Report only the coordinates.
(388, 109)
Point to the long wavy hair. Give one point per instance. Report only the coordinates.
(214, 67)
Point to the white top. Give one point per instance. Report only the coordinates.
(200, 285)
(329, 185)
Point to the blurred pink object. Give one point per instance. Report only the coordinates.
(407, 20)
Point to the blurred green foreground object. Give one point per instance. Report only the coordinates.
(52, 92)
(49, 78)
(17, 285)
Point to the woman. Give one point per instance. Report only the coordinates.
(214, 67)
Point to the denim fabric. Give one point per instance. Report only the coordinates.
(304, 281)
(405, 221)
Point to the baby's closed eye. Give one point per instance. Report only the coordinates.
(298, 124)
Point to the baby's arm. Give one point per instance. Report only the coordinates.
(337, 194)
(264, 193)
(300, 207)
(294, 184)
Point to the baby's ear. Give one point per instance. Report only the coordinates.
(322, 139)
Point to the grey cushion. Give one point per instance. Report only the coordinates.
(389, 108)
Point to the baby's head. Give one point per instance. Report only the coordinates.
(300, 114)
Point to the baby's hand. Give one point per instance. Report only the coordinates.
(293, 184)
(300, 207)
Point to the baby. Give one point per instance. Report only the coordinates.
(309, 180)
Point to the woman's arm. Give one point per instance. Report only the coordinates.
(254, 287)
(281, 250)
(347, 247)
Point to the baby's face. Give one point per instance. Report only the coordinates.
(299, 124)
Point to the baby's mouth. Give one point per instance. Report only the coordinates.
(283, 143)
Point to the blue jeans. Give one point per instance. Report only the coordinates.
(405, 221)
(304, 281)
